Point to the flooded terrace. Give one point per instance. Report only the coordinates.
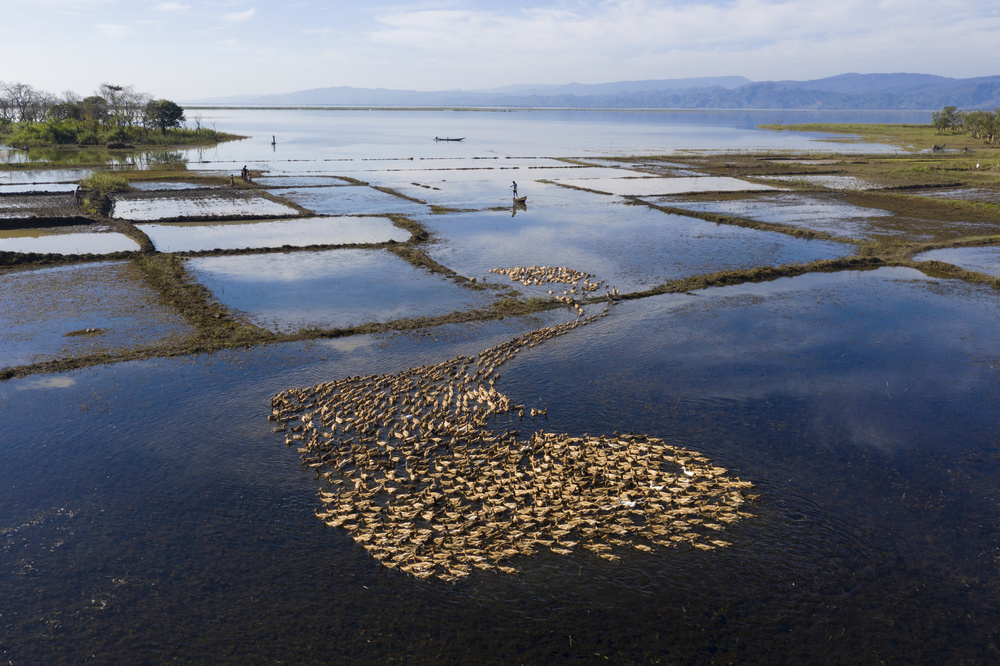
(670, 417)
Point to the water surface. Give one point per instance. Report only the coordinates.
(144, 209)
(169, 503)
(39, 307)
(303, 232)
(331, 289)
(46, 242)
(981, 259)
(632, 247)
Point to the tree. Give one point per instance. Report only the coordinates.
(23, 103)
(95, 111)
(946, 118)
(163, 114)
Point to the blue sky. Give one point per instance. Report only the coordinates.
(184, 49)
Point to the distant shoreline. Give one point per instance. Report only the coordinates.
(509, 109)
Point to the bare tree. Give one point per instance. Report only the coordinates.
(112, 95)
(26, 102)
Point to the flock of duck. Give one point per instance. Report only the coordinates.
(535, 275)
(416, 477)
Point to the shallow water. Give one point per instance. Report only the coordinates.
(302, 232)
(153, 186)
(150, 513)
(828, 182)
(74, 243)
(801, 211)
(22, 188)
(38, 205)
(631, 247)
(39, 307)
(332, 289)
(30, 176)
(981, 259)
(308, 136)
(221, 205)
(963, 194)
(636, 184)
(354, 200)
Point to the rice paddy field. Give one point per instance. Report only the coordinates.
(711, 394)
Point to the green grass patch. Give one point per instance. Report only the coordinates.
(908, 137)
(97, 191)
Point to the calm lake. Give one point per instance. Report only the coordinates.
(149, 512)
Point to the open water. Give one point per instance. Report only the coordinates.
(148, 512)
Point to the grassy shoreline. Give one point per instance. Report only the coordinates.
(910, 137)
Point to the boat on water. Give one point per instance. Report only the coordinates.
(445, 138)
(520, 200)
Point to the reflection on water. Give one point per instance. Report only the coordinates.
(643, 185)
(36, 187)
(80, 243)
(123, 159)
(170, 506)
(801, 211)
(154, 186)
(135, 208)
(355, 200)
(38, 308)
(631, 247)
(308, 138)
(829, 182)
(301, 232)
(151, 513)
(44, 175)
(336, 288)
(964, 194)
(980, 259)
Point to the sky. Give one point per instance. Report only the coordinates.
(186, 50)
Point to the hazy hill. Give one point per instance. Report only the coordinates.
(846, 91)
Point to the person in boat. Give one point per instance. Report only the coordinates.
(514, 185)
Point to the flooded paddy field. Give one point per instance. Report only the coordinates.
(634, 185)
(631, 247)
(49, 313)
(165, 517)
(52, 208)
(231, 204)
(302, 232)
(350, 200)
(774, 443)
(816, 212)
(48, 241)
(332, 289)
(982, 259)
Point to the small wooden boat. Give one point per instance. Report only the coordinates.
(445, 138)
(520, 200)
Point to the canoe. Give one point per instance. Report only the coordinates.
(520, 200)
(444, 138)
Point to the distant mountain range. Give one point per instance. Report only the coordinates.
(846, 91)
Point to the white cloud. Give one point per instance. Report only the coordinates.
(622, 39)
(240, 17)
